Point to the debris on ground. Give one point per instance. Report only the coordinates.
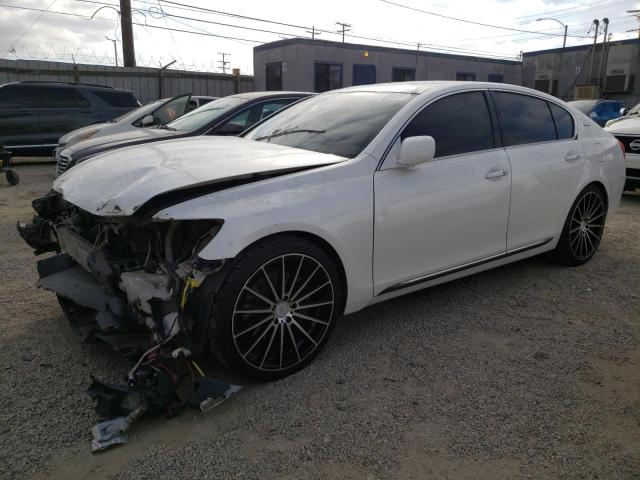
(160, 384)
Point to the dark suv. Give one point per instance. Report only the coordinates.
(34, 115)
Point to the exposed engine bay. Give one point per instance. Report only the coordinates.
(129, 282)
(132, 275)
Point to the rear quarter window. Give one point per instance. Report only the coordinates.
(117, 99)
(563, 121)
(523, 119)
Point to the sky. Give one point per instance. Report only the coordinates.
(65, 30)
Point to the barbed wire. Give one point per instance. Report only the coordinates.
(93, 57)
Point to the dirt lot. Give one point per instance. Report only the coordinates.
(527, 371)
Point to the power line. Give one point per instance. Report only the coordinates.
(471, 21)
(551, 12)
(31, 26)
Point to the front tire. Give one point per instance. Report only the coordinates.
(276, 308)
(583, 228)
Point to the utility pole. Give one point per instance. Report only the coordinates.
(605, 22)
(115, 48)
(596, 22)
(313, 32)
(128, 52)
(345, 28)
(224, 62)
(636, 13)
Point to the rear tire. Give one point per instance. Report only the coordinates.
(582, 229)
(276, 307)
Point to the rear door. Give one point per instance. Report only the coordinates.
(546, 164)
(63, 109)
(19, 121)
(443, 215)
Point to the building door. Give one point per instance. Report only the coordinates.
(364, 74)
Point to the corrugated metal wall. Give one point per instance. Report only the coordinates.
(143, 82)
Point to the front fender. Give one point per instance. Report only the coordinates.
(334, 203)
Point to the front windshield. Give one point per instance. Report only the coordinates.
(585, 106)
(138, 113)
(339, 123)
(206, 114)
(635, 110)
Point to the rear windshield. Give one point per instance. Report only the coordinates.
(339, 123)
(206, 114)
(117, 99)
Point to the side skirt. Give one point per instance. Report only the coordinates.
(449, 271)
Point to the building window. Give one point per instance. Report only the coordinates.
(328, 76)
(466, 76)
(274, 76)
(399, 74)
(495, 77)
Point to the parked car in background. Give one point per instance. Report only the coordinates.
(34, 115)
(600, 111)
(341, 201)
(627, 132)
(154, 113)
(226, 116)
(626, 114)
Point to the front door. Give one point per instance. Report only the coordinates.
(443, 214)
(364, 74)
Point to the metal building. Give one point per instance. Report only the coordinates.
(319, 65)
(581, 72)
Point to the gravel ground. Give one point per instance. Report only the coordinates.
(528, 371)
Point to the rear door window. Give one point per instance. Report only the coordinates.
(563, 121)
(18, 96)
(60, 97)
(523, 119)
(459, 123)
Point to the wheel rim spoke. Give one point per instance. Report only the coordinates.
(273, 290)
(259, 322)
(311, 319)
(247, 330)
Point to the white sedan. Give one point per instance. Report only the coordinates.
(252, 248)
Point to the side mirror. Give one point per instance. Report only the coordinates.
(623, 111)
(148, 120)
(416, 150)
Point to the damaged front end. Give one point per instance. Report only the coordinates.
(126, 280)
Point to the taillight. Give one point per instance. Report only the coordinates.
(622, 148)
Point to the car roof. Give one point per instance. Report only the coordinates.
(66, 84)
(271, 94)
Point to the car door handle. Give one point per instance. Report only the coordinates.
(503, 172)
(571, 157)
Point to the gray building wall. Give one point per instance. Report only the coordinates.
(143, 82)
(571, 67)
(298, 57)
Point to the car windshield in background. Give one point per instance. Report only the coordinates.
(134, 115)
(585, 106)
(206, 114)
(341, 124)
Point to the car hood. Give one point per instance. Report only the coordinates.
(76, 135)
(139, 135)
(119, 182)
(628, 126)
